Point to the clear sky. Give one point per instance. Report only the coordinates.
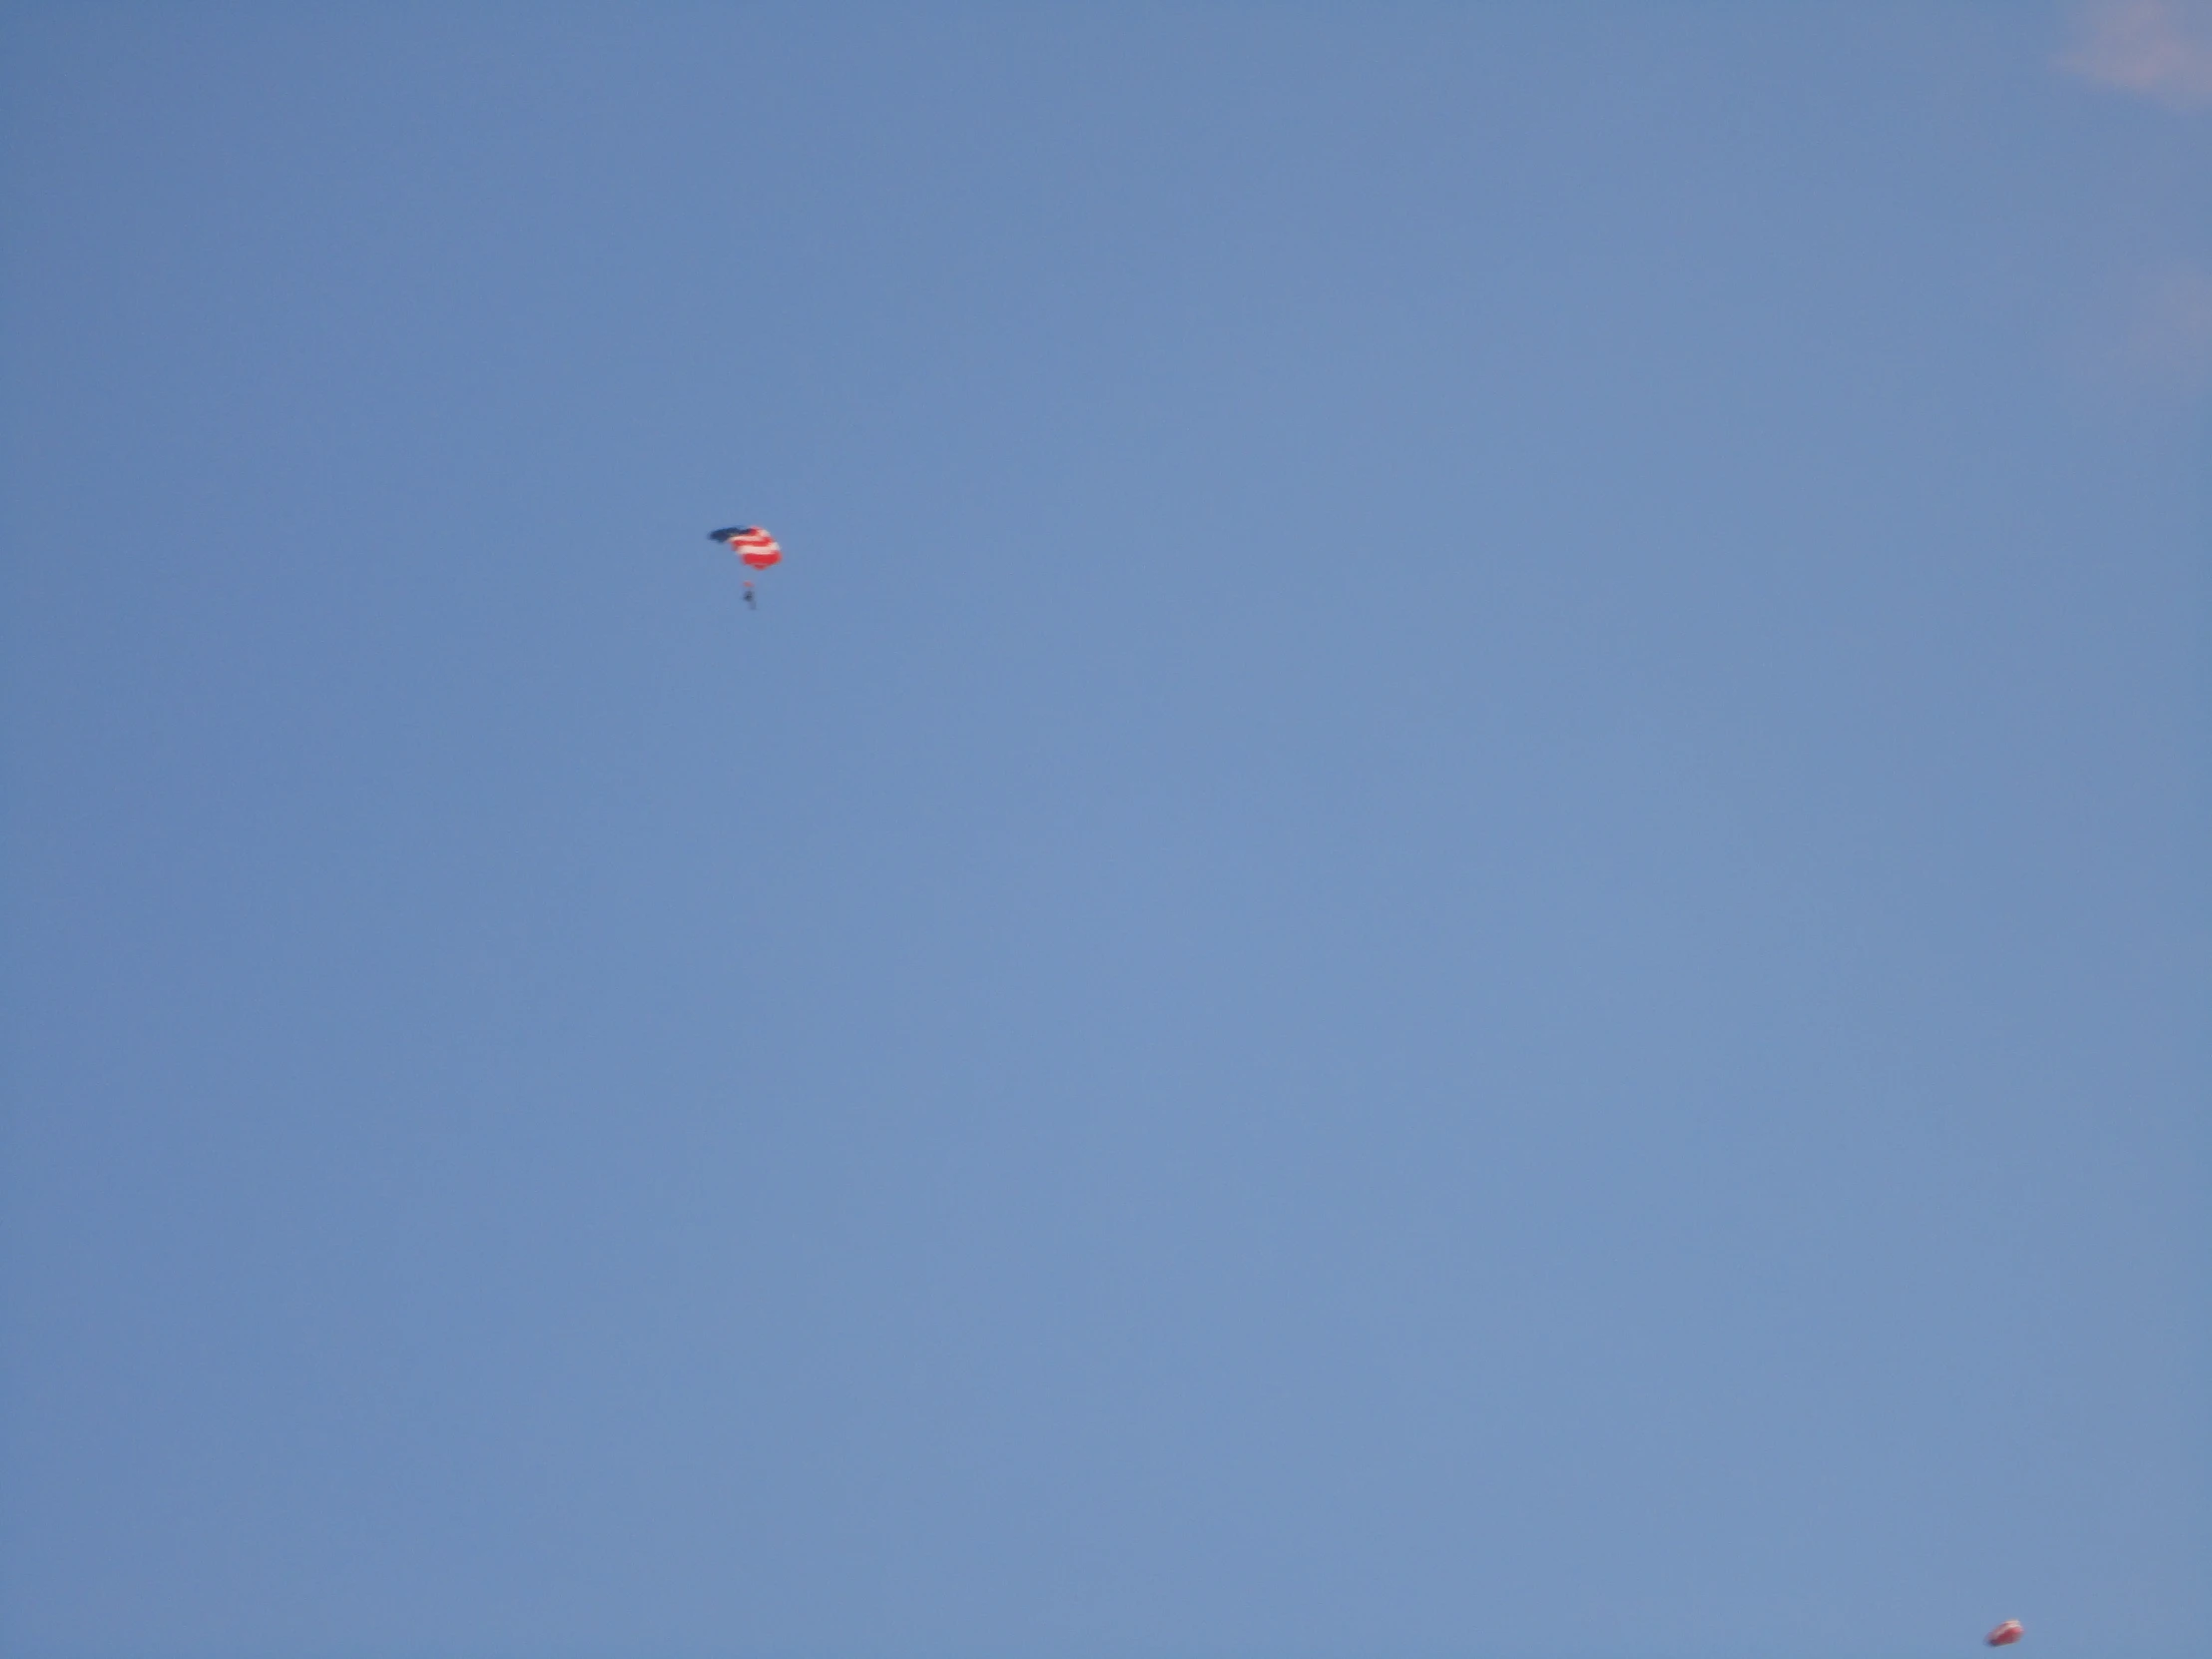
(1455, 905)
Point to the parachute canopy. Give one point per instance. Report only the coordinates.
(750, 543)
(2006, 1634)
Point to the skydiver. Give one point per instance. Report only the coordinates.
(751, 602)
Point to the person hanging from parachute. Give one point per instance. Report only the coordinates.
(754, 547)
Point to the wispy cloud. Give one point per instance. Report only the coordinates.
(2173, 332)
(2158, 49)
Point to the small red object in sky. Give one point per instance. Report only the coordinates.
(2006, 1634)
(750, 543)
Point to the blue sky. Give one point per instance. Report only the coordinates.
(1453, 905)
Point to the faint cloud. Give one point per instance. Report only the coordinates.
(2158, 49)
(2151, 336)
(2173, 331)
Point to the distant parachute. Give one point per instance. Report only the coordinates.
(750, 543)
(2006, 1634)
(753, 545)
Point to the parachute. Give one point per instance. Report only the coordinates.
(754, 546)
(2006, 1634)
(750, 543)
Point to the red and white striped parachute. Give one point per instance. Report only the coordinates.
(750, 543)
(2006, 1634)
